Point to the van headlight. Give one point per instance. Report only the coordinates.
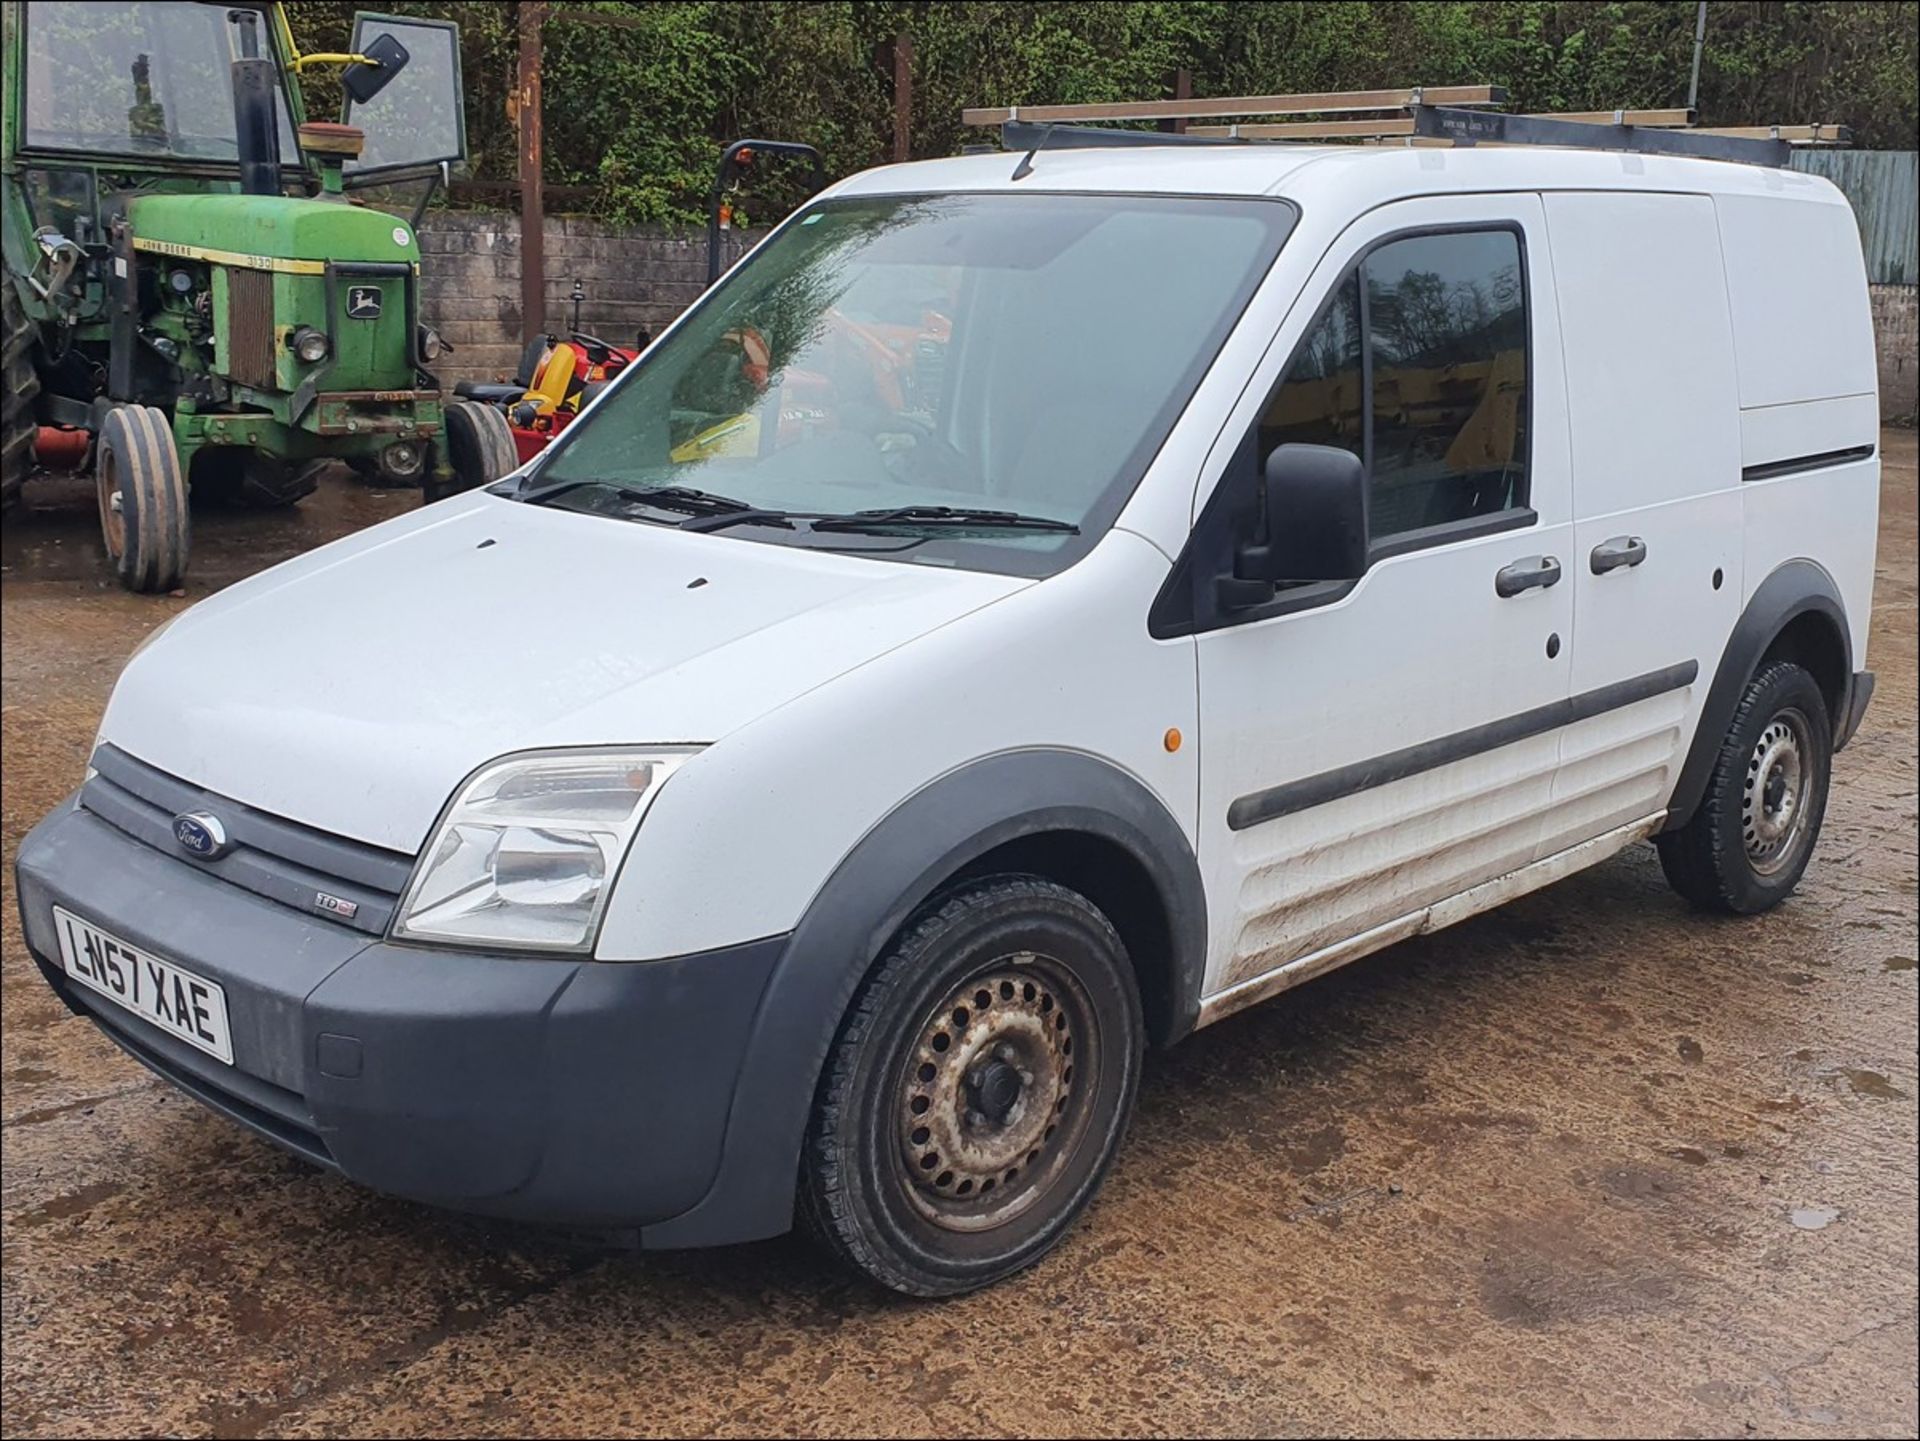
(526, 855)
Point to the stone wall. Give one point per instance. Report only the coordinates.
(1896, 330)
(635, 277)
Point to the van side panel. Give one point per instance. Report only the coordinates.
(1809, 417)
(1653, 401)
(1798, 292)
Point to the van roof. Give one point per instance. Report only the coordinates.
(1354, 176)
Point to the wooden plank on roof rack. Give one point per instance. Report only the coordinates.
(1662, 119)
(1332, 102)
(1354, 129)
(1307, 129)
(1823, 134)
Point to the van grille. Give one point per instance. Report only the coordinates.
(279, 859)
(250, 327)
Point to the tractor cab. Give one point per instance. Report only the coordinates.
(194, 298)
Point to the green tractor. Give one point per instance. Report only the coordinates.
(191, 298)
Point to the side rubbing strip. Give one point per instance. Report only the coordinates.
(1794, 465)
(1310, 791)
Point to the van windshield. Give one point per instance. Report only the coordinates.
(1022, 354)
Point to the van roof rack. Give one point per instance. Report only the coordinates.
(1418, 115)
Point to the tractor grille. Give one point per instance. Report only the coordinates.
(250, 327)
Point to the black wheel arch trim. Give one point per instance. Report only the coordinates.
(903, 861)
(1793, 589)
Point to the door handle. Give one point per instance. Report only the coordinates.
(1536, 572)
(1620, 551)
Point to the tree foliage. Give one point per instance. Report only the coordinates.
(639, 106)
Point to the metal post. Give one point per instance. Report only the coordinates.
(1699, 42)
(533, 200)
(902, 96)
(1182, 90)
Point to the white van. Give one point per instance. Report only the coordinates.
(1006, 623)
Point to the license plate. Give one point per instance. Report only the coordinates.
(188, 1007)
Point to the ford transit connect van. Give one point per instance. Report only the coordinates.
(1021, 615)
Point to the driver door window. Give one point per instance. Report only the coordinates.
(1432, 329)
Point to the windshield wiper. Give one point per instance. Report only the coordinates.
(944, 516)
(666, 497)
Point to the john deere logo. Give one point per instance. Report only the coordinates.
(363, 302)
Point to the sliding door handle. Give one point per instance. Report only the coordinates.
(1536, 572)
(1622, 550)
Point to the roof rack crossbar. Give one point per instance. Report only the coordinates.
(1469, 127)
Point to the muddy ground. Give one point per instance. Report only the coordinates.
(1590, 1164)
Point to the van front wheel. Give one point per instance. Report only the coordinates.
(978, 1089)
(1749, 841)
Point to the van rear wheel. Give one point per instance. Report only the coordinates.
(143, 499)
(978, 1090)
(1749, 841)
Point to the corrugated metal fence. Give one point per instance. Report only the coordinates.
(1884, 186)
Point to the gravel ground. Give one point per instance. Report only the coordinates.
(1589, 1164)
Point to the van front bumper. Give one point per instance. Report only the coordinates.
(560, 1090)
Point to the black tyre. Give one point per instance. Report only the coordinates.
(19, 389)
(143, 499)
(978, 1089)
(233, 475)
(1749, 841)
(479, 445)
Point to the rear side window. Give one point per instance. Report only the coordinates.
(1432, 331)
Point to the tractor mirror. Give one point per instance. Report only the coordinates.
(363, 82)
(415, 115)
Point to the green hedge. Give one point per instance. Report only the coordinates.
(640, 110)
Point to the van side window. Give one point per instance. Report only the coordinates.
(1438, 324)
(1447, 335)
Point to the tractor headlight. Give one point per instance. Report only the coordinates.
(309, 345)
(526, 855)
(431, 345)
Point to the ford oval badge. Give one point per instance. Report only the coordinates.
(200, 834)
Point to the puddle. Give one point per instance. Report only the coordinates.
(1899, 963)
(1690, 1049)
(1813, 1218)
(1692, 1155)
(1872, 1085)
(73, 1203)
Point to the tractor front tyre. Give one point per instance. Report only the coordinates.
(143, 499)
(19, 388)
(479, 445)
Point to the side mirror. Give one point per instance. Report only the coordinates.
(1316, 518)
(415, 118)
(363, 82)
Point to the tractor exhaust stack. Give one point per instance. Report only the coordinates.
(255, 87)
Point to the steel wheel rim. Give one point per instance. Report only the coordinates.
(113, 519)
(1775, 793)
(995, 1093)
